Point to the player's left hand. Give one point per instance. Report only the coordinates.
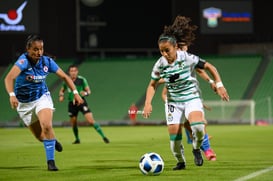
(222, 92)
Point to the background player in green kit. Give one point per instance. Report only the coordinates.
(73, 110)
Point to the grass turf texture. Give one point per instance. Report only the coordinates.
(241, 150)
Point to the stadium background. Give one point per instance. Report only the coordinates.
(118, 77)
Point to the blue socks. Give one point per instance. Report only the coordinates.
(206, 144)
(188, 134)
(49, 146)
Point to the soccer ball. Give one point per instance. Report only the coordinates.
(151, 164)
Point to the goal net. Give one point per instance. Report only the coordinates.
(232, 112)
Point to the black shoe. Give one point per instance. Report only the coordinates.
(51, 165)
(106, 140)
(58, 146)
(180, 166)
(76, 142)
(198, 159)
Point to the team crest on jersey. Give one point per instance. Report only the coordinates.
(45, 69)
(181, 64)
(170, 117)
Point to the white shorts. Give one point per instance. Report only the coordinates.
(28, 111)
(176, 112)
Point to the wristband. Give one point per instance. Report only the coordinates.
(11, 94)
(61, 95)
(219, 84)
(86, 93)
(75, 91)
(211, 81)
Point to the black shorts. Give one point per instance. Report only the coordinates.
(74, 109)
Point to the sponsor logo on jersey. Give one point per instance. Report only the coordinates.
(36, 78)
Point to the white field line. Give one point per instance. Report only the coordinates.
(255, 174)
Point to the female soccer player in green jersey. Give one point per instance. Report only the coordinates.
(177, 68)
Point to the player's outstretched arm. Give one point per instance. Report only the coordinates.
(150, 92)
(220, 89)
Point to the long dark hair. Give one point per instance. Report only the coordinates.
(182, 30)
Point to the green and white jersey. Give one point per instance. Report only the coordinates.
(80, 83)
(180, 78)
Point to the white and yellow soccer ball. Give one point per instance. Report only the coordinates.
(151, 164)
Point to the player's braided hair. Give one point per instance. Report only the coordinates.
(182, 30)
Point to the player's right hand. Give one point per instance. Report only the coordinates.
(77, 99)
(13, 102)
(147, 110)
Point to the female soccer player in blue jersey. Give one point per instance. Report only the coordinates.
(31, 97)
(184, 100)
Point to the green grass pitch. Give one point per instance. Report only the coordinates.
(241, 150)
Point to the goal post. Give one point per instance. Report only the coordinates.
(232, 112)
